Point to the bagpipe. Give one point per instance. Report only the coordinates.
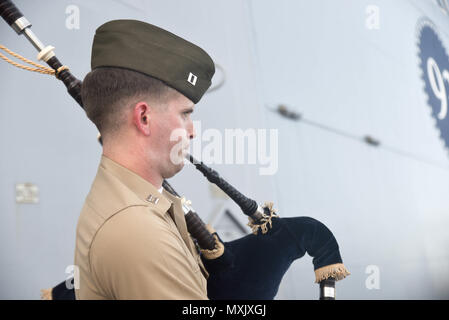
(250, 267)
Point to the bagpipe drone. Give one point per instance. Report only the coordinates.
(250, 267)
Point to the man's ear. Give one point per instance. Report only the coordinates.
(141, 117)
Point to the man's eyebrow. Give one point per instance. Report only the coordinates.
(188, 109)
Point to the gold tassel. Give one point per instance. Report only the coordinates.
(337, 271)
(46, 294)
(219, 247)
(266, 220)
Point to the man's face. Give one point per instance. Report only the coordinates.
(170, 132)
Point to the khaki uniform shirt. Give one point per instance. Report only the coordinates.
(132, 242)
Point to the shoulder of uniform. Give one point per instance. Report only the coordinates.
(109, 195)
(133, 228)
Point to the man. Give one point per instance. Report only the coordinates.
(131, 240)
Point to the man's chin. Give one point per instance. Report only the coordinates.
(173, 170)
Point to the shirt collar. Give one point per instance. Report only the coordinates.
(146, 191)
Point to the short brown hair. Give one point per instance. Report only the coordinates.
(107, 91)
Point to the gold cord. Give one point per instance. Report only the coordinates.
(39, 68)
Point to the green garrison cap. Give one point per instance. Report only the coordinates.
(145, 48)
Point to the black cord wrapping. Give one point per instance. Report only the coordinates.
(9, 11)
(72, 84)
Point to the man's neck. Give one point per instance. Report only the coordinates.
(136, 164)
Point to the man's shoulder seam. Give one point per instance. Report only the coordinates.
(104, 222)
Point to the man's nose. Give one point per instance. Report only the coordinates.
(192, 132)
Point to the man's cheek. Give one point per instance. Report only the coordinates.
(179, 144)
